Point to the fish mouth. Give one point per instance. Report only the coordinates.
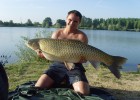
(27, 44)
(35, 49)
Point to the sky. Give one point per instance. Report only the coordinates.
(37, 10)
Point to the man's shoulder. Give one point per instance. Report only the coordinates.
(82, 36)
(81, 33)
(57, 33)
(59, 30)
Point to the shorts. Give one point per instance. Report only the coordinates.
(58, 72)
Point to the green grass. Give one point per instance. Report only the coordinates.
(126, 88)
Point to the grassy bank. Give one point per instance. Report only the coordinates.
(126, 88)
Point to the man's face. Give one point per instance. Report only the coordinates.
(72, 21)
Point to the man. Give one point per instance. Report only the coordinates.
(57, 71)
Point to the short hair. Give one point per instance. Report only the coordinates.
(77, 13)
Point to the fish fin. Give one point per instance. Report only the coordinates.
(115, 70)
(116, 65)
(118, 61)
(95, 64)
(69, 66)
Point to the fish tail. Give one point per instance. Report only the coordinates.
(117, 60)
(116, 65)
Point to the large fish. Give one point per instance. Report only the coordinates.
(72, 51)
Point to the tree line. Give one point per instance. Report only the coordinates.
(119, 24)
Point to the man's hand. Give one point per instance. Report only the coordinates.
(40, 54)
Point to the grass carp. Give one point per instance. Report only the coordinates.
(72, 51)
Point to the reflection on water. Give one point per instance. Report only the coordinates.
(119, 43)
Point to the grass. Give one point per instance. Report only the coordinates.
(126, 88)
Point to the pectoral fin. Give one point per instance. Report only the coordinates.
(69, 66)
(95, 64)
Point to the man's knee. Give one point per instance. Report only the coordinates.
(84, 92)
(44, 81)
(82, 87)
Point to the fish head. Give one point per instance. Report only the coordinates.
(33, 44)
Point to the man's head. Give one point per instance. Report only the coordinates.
(73, 19)
(77, 13)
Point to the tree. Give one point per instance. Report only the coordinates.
(37, 24)
(118, 27)
(86, 22)
(47, 22)
(6, 23)
(104, 25)
(135, 24)
(138, 26)
(29, 23)
(82, 24)
(110, 27)
(1, 23)
(95, 23)
(60, 23)
(11, 23)
(122, 22)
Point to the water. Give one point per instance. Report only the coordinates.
(119, 43)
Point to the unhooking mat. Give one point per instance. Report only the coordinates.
(27, 91)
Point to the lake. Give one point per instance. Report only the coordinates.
(117, 43)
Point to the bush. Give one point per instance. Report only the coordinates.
(24, 53)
